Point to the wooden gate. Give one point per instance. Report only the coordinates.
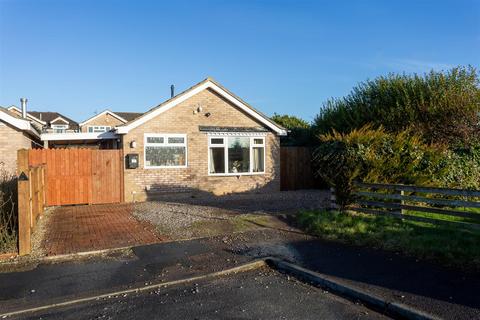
(80, 176)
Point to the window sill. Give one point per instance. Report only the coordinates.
(165, 167)
(235, 174)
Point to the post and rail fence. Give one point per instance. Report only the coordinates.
(31, 199)
(424, 204)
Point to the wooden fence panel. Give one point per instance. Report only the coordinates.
(80, 176)
(296, 169)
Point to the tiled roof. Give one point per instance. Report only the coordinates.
(49, 116)
(129, 116)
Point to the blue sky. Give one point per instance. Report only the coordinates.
(78, 57)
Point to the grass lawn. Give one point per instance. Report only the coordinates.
(449, 245)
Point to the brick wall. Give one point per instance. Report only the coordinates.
(103, 120)
(10, 141)
(195, 178)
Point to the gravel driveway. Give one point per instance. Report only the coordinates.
(178, 216)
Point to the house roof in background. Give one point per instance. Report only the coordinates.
(14, 109)
(122, 116)
(129, 116)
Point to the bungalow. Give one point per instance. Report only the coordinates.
(203, 139)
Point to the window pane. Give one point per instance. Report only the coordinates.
(176, 140)
(164, 156)
(90, 129)
(258, 159)
(238, 154)
(217, 160)
(216, 141)
(154, 139)
(257, 141)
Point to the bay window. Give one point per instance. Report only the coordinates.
(236, 155)
(165, 150)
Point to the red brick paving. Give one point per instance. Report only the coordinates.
(95, 227)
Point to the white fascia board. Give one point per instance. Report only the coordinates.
(59, 118)
(28, 115)
(20, 124)
(206, 85)
(78, 136)
(113, 114)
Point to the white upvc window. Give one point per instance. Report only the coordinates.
(165, 150)
(59, 128)
(99, 129)
(236, 155)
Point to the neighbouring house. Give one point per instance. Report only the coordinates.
(49, 122)
(204, 139)
(96, 132)
(16, 132)
(107, 120)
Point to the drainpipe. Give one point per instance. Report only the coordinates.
(23, 102)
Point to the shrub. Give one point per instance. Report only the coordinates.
(8, 212)
(442, 107)
(300, 131)
(376, 156)
(462, 169)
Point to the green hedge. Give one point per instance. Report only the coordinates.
(442, 107)
(376, 156)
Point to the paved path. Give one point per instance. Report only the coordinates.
(86, 228)
(443, 292)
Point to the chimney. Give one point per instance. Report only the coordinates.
(23, 102)
(172, 91)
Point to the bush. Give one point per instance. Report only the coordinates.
(442, 107)
(300, 131)
(8, 212)
(462, 169)
(376, 156)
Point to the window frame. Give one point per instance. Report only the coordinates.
(165, 143)
(224, 145)
(59, 128)
(93, 129)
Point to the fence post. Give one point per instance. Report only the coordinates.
(402, 202)
(333, 199)
(24, 209)
(24, 216)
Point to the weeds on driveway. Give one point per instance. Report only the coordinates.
(452, 246)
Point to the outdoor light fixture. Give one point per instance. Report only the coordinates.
(133, 144)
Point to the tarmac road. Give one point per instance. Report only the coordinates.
(257, 294)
